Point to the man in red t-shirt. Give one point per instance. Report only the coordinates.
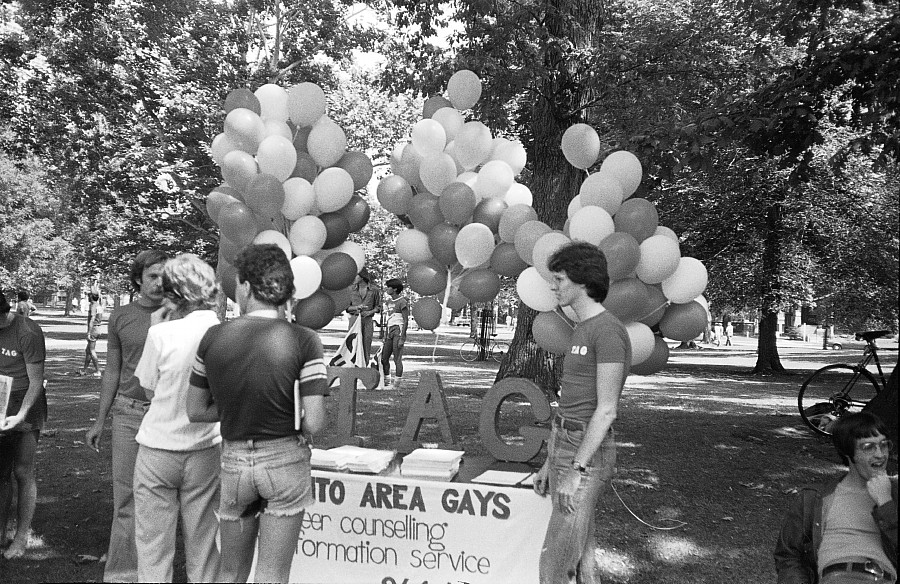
(581, 455)
(244, 376)
(22, 354)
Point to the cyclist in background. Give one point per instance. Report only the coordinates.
(846, 529)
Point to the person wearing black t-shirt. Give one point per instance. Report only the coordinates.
(244, 376)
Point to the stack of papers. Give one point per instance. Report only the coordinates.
(504, 477)
(431, 463)
(352, 458)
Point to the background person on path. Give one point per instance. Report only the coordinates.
(177, 466)
(24, 306)
(122, 392)
(365, 301)
(845, 530)
(581, 454)
(244, 375)
(22, 354)
(94, 320)
(729, 332)
(397, 309)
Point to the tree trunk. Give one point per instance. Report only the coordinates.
(556, 105)
(526, 359)
(767, 359)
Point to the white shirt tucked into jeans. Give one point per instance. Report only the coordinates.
(165, 368)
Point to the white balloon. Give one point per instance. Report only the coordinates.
(519, 194)
(535, 291)
(277, 128)
(412, 246)
(659, 259)
(451, 120)
(299, 198)
(272, 102)
(437, 171)
(591, 224)
(272, 236)
(429, 137)
(396, 157)
(574, 206)
(334, 189)
(307, 276)
(307, 235)
(221, 145)
(545, 247)
(277, 156)
(494, 180)
(474, 245)
(510, 152)
(642, 342)
(687, 282)
(626, 167)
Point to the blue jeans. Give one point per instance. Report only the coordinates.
(121, 558)
(568, 551)
(392, 347)
(167, 482)
(265, 476)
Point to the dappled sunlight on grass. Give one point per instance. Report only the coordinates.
(636, 477)
(673, 549)
(613, 563)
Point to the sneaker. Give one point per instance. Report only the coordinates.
(396, 383)
(80, 372)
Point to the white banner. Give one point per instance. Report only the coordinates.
(385, 530)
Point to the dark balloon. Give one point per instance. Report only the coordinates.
(337, 228)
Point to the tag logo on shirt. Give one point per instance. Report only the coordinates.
(9, 352)
(579, 350)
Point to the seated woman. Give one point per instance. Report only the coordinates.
(177, 467)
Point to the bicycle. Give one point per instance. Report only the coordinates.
(493, 349)
(841, 389)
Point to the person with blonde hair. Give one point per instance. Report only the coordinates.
(177, 466)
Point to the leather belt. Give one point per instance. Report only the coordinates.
(567, 424)
(871, 568)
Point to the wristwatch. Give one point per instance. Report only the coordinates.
(579, 467)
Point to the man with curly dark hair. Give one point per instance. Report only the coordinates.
(581, 454)
(244, 376)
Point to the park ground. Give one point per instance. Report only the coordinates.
(703, 447)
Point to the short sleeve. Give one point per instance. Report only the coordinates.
(609, 345)
(147, 371)
(313, 374)
(198, 369)
(32, 343)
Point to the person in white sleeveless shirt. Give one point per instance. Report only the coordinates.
(177, 466)
(846, 530)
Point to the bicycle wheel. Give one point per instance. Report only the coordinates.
(469, 351)
(832, 392)
(499, 350)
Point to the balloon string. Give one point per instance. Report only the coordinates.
(558, 312)
(434, 347)
(663, 305)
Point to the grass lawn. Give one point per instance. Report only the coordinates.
(701, 443)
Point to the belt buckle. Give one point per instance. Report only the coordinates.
(873, 568)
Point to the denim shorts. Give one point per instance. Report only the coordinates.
(265, 476)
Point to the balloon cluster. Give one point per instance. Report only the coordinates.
(454, 183)
(290, 180)
(651, 285)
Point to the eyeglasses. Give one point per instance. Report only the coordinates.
(871, 447)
